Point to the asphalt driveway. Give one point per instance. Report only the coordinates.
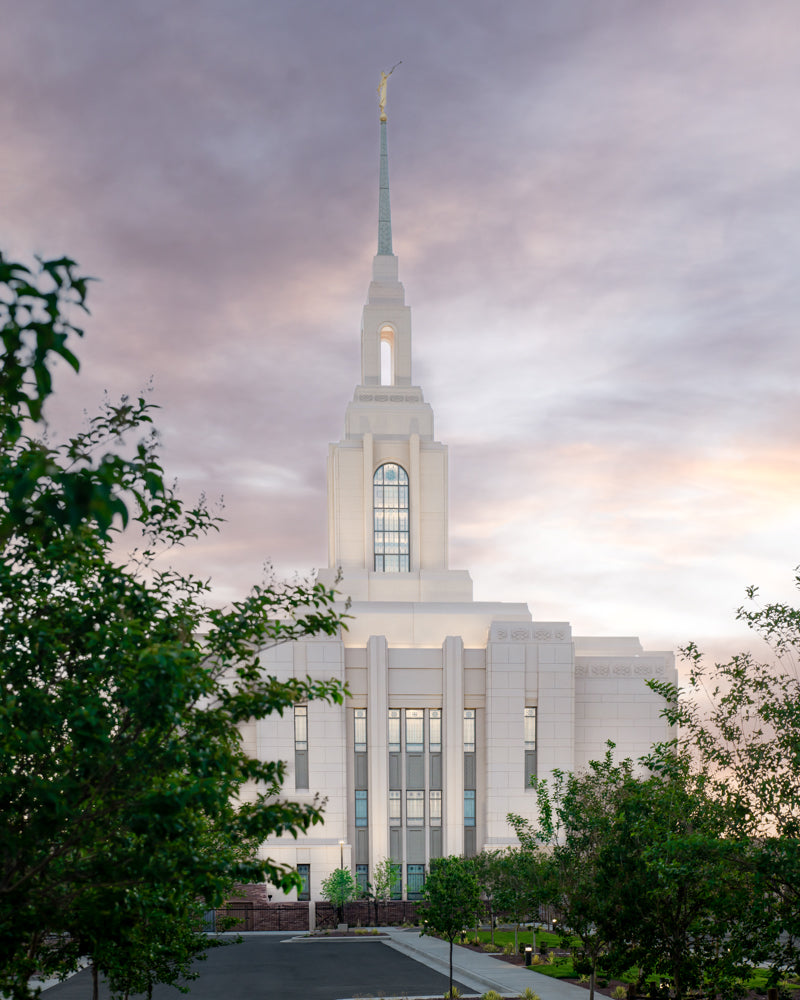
(269, 965)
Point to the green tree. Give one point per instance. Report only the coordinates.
(385, 882)
(642, 870)
(741, 719)
(679, 902)
(122, 689)
(339, 888)
(575, 814)
(524, 884)
(487, 865)
(452, 900)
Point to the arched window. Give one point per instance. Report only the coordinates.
(390, 514)
(387, 355)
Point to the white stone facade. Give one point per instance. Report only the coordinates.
(418, 642)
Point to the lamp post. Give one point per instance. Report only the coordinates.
(341, 854)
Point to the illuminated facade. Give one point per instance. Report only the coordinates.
(454, 704)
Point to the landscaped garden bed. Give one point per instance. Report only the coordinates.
(553, 960)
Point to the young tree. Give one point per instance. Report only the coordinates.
(121, 688)
(575, 814)
(452, 900)
(385, 881)
(524, 884)
(489, 872)
(339, 888)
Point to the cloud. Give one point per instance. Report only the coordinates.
(594, 211)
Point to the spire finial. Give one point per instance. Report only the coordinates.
(382, 90)
(384, 206)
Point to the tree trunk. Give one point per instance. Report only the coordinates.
(95, 983)
(451, 967)
(591, 982)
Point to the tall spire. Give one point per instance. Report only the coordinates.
(384, 206)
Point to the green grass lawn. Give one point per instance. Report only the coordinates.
(561, 969)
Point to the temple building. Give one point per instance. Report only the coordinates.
(454, 703)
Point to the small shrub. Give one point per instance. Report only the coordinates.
(551, 958)
(453, 994)
(536, 959)
(528, 994)
(491, 948)
(508, 949)
(619, 993)
(491, 995)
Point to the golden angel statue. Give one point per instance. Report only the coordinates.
(382, 90)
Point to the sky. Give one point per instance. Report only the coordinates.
(595, 208)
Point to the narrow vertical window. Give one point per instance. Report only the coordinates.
(435, 808)
(530, 745)
(390, 519)
(394, 730)
(415, 880)
(360, 730)
(304, 871)
(387, 355)
(395, 805)
(362, 878)
(301, 746)
(435, 730)
(469, 730)
(414, 730)
(469, 807)
(301, 727)
(415, 808)
(361, 808)
(397, 881)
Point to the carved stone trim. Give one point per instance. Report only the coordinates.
(388, 397)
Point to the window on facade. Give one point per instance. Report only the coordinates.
(387, 355)
(360, 730)
(362, 877)
(435, 730)
(469, 807)
(415, 730)
(435, 808)
(301, 746)
(395, 816)
(415, 880)
(304, 871)
(530, 745)
(530, 728)
(415, 808)
(361, 808)
(394, 730)
(390, 519)
(397, 881)
(469, 730)
(301, 727)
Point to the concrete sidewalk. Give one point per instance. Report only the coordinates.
(479, 971)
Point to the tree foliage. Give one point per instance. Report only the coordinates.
(386, 879)
(641, 871)
(741, 719)
(340, 887)
(126, 796)
(452, 898)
